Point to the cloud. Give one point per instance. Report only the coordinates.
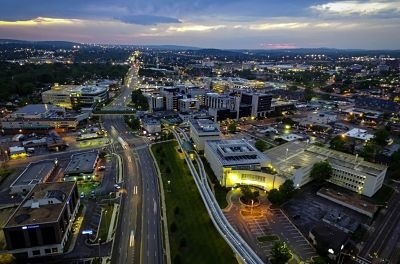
(196, 28)
(278, 46)
(39, 21)
(347, 8)
(148, 19)
(275, 26)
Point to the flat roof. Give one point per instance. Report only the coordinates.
(359, 134)
(82, 163)
(204, 126)
(236, 152)
(350, 199)
(289, 157)
(35, 109)
(293, 155)
(44, 213)
(35, 172)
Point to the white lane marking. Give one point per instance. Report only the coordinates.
(155, 206)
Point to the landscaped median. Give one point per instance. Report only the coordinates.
(192, 235)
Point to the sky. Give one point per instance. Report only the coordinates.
(227, 24)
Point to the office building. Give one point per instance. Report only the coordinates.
(236, 162)
(202, 130)
(81, 166)
(260, 103)
(188, 105)
(39, 118)
(69, 96)
(294, 160)
(42, 224)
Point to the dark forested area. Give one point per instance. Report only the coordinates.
(21, 81)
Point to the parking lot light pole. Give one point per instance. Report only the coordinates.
(99, 246)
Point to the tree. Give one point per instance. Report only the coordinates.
(321, 171)
(260, 145)
(139, 100)
(280, 253)
(339, 143)
(287, 189)
(308, 94)
(318, 260)
(275, 196)
(369, 151)
(248, 194)
(232, 127)
(381, 136)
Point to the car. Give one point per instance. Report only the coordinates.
(116, 186)
(82, 195)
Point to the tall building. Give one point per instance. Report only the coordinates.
(260, 103)
(42, 224)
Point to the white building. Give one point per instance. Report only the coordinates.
(360, 134)
(294, 160)
(151, 126)
(236, 162)
(202, 130)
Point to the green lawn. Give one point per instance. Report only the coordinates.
(192, 235)
(220, 191)
(87, 186)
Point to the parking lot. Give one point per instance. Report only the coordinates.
(262, 226)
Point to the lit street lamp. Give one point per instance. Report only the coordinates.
(99, 246)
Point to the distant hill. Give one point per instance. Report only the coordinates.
(43, 44)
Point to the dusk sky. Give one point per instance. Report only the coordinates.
(252, 24)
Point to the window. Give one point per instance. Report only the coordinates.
(47, 251)
(54, 250)
(36, 252)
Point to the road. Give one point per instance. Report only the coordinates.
(138, 236)
(382, 242)
(235, 241)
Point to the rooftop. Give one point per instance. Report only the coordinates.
(293, 155)
(82, 163)
(236, 152)
(36, 109)
(359, 134)
(204, 125)
(30, 212)
(35, 172)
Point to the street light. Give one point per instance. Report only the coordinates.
(251, 210)
(169, 182)
(99, 246)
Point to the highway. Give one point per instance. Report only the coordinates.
(138, 237)
(235, 241)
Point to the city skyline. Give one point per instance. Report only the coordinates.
(222, 24)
